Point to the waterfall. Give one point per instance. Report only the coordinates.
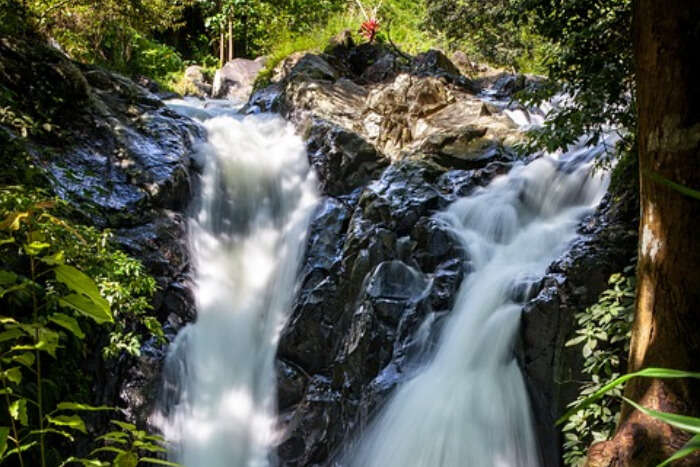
(247, 232)
(468, 406)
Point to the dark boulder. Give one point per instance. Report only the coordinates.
(552, 371)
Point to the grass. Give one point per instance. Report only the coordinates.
(400, 19)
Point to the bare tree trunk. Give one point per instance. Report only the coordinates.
(230, 40)
(666, 331)
(221, 48)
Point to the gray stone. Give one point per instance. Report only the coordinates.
(234, 81)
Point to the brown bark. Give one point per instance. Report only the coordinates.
(666, 331)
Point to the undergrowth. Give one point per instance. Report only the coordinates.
(603, 333)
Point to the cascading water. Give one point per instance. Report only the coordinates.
(468, 406)
(247, 238)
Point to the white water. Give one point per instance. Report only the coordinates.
(468, 407)
(247, 239)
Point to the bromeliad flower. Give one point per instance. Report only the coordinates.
(369, 29)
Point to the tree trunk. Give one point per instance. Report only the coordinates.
(666, 331)
(221, 48)
(230, 40)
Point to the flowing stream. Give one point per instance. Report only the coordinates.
(247, 235)
(468, 406)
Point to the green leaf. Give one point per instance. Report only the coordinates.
(107, 449)
(53, 431)
(11, 334)
(69, 323)
(71, 421)
(690, 447)
(159, 462)
(683, 422)
(14, 375)
(34, 248)
(18, 411)
(48, 339)
(7, 277)
(84, 305)
(646, 373)
(55, 259)
(21, 448)
(575, 341)
(4, 433)
(673, 185)
(126, 459)
(150, 447)
(82, 407)
(26, 359)
(84, 462)
(124, 426)
(83, 287)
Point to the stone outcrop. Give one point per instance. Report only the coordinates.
(606, 245)
(394, 141)
(234, 81)
(198, 83)
(124, 160)
(415, 107)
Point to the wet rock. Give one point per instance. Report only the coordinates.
(434, 63)
(235, 79)
(199, 83)
(312, 67)
(292, 384)
(364, 314)
(342, 160)
(122, 158)
(552, 370)
(394, 142)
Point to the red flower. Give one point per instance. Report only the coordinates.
(369, 29)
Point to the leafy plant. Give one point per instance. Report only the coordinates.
(603, 332)
(58, 281)
(127, 446)
(59, 294)
(683, 422)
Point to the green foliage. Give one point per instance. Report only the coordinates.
(603, 332)
(401, 20)
(591, 62)
(683, 422)
(127, 446)
(57, 282)
(121, 280)
(257, 24)
(111, 33)
(584, 46)
(490, 31)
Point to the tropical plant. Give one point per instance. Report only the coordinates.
(603, 332)
(59, 282)
(682, 422)
(127, 445)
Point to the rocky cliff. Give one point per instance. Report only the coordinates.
(122, 158)
(395, 139)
